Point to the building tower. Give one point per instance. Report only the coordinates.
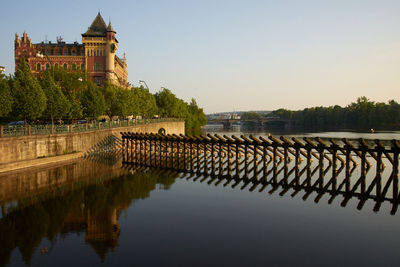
(111, 48)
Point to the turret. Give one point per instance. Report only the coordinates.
(111, 48)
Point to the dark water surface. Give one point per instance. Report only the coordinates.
(88, 213)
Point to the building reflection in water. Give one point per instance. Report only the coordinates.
(81, 197)
(89, 197)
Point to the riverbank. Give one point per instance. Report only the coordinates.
(28, 151)
(39, 162)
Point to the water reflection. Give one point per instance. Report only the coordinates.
(88, 197)
(298, 132)
(85, 197)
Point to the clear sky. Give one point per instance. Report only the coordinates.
(235, 55)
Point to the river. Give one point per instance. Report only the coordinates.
(96, 212)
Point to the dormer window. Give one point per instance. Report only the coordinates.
(65, 52)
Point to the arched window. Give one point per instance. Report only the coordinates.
(55, 51)
(82, 52)
(98, 67)
(82, 67)
(73, 66)
(47, 52)
(25, 54)
(73, 52)
(65, 52)
(38, 66)
(47, 66)
(65, 66)
(91, 52)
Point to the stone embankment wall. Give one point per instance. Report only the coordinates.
(15, 149)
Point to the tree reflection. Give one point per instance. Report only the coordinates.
(94, 209)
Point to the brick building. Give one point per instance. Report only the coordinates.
(95, 55)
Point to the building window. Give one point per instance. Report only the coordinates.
(82, 67)
(65, 52)
(38, 66)
(25, 55)
(82, 52)
(47, 52)
(97, 80)
(98, 67)
(73, 66)
(73, 52)
(55, 51)
(47, 66)
(56, 65)
(65, 66)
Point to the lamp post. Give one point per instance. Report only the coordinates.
(144, 84)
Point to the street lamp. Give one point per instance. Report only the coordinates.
(144, 84)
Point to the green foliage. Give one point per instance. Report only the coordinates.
(145, 102)
(72, 95)
(251, 115)
(195, 118)
(6, 99)
(169, 105)
(29, 98)
(93, 102)
(71, 84)
(57, 104)
(362, 113)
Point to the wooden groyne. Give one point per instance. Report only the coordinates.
(350, 168)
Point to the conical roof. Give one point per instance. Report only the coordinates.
(97, 28)
(110, 27)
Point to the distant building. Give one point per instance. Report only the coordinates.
(95, 55)
(2, 69)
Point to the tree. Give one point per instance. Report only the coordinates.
(251, 115)
(92, 102)
(6, 99)
(29, 98)
(147, 105)
(169, 105)
(71, 84)
(195, 118)
(57, 104)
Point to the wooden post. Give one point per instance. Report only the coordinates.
(86, 126)
(29, 130)
(1, 131)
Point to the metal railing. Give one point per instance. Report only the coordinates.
(28, 130)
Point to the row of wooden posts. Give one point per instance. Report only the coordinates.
(251, 160)
(213, 149)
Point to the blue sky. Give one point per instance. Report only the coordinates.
(236, 55)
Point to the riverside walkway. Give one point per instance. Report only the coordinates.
(29, 130)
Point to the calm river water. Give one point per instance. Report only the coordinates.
(94, 212)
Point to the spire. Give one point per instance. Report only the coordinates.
(110, 27)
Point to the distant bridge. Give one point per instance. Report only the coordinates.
(262, 121)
